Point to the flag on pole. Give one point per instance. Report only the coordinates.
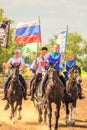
(28, 32)
(32, 47)
(62, 37)
(4, 30)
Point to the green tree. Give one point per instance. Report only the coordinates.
(6, 52)
(75, 43)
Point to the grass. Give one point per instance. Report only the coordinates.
(84, 74)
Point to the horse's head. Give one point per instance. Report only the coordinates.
(15, 71)
(75, 73)
(52, 73)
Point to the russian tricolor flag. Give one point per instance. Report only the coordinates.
(28, 32)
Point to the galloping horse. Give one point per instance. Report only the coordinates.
(54, 90)
(15, 93)
(40, 101)
(71, 86)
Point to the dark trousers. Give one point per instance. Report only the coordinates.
(21, 79)
(38, 77)
(31, 80)
(63, 80)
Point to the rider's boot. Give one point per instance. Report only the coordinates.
(80, 92)
(24, 95)
(5, 96)
(32, 93)
(81, 96)
(32, 96)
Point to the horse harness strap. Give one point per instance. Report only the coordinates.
(21, 85)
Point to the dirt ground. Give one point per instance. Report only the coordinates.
(29, 113)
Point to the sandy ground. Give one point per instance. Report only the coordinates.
(29, 114)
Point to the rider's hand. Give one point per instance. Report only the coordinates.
(33, 70)
(4, 64)
(46, 67)
(60, 73)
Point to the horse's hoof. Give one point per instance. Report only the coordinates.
(55, 128)
(68, 123)
(10, 117)
(19, 118)
(73, 123)
(13, 121)
(45, 120)
(40, 120)
(49, 128)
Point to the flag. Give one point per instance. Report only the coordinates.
(62, 37)
(32, 47)
(4, 30)
(28, 32)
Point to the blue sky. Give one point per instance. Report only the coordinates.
(54, 15)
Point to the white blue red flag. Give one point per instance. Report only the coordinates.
(62, 37)
(28, 32)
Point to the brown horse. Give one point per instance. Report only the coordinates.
(54, 94)
(72, 87)
(15, 93)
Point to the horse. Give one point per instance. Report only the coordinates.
(15, 94)
(54, 90)
(72, 87)
(40, 101)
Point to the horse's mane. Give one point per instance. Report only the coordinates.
(75, 67)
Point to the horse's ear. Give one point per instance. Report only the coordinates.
(19, 64)
(55, 64)
(11, 65)
(50, 64)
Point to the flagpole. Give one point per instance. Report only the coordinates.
(8, 31)
(40, 30)
(5, 47)
(66, 37)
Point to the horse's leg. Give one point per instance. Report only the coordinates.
(49, 111)
(67, 114)
(57, 115)
(19, 110)
(11, 112)
(45, 113)
(74, 113)
(15, 111)
(40, 113)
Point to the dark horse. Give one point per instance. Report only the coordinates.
(54, 90)
(40, 101)
(15, 93)
(71, 86)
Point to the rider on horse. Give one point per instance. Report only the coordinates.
(55, 57)
(37, 66)
(68, 65)
(16, 59)
(33, 69)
